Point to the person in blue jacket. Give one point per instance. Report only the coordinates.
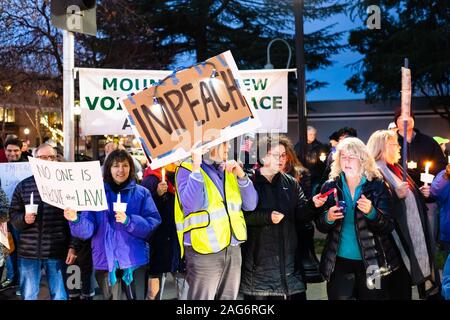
(446, 280)
(120, 249)
(440, 189)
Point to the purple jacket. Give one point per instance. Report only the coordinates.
(113, 241)
(192, 192)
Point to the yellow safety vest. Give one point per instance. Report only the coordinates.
(211, 229)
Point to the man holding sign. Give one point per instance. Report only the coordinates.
(210, 224)
(44, 237)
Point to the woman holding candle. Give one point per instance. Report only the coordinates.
(305, 231)
(412, 234)
(120, 249)
(358, 249)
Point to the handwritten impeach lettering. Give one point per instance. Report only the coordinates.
(189, 100)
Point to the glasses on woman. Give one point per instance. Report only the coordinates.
(349, 158)
(279, 155)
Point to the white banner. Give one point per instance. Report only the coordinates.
(11, 174)
(101, 91)
(75, 185)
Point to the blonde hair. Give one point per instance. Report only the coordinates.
(355, 147)
(378, 141)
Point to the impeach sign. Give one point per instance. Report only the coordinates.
(75, 185)
(191, 107)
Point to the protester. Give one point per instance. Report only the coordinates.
(270, 268)
(305, 231)
(334, 140)
(109, 147)
(440, 189)
(119, 239)
(44, 238)
(341, 134)
(311, 156)
(217, 191)
(137, 164)
(25, 150)
(13, 150)
(358, 250)
(443, 144)
(446, 280)
(3, 158)
(165, 250)
(83, 260)
(4, 217)
(420, 147)
(412, 234)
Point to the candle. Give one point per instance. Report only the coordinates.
(322, 157)
(412, 165)
(32, 199)
(427, 167)
(163, 174)
(336, 197)
(118, 198)
(448, 159)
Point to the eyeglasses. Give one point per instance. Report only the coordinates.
(51, 158)
(349, 158)
(278, 155)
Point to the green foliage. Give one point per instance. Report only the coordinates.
(414, 29)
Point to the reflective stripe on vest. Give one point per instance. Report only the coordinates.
(210, 230)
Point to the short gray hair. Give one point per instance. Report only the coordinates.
(311, 128)
(42, 146)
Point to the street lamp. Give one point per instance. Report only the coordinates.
(270, 65)
(26, 131)
(77, 114)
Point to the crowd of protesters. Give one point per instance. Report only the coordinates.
(224, 228)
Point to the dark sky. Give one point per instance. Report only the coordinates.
(339, 72)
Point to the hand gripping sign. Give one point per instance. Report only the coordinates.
(201, 106)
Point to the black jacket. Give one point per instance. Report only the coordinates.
(401, 227)
(423, 148)
(164, 245)
(374, 236)
(49, 236)
(312, 159)
(269, 262)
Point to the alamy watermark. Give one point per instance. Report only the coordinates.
(374, 19)
(373, 276)
(74, 18)
(73, 281)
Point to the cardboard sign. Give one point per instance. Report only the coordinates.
(75, 185)
(191, 109)
(11, 174)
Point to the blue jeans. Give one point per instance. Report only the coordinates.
(12, 272)
(30, 278)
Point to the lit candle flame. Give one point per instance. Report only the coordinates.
(427, 167)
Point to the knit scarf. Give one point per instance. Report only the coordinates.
(393, 176)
